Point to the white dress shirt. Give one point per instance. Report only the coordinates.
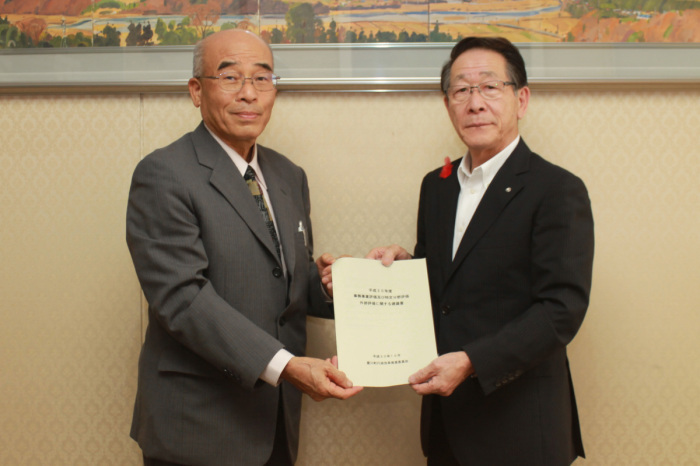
(473, 185)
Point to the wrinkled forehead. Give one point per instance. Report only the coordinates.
(477, 65)
(237, 51)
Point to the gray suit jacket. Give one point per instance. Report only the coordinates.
(219, 305)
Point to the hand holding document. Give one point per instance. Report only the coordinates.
(383, 320)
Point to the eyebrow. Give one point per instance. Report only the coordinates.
(226, 64)
(488, 74)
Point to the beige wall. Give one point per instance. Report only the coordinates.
(71, 308)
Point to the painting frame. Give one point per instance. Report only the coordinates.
(368, 67)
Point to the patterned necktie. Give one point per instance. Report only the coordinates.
(254, 187)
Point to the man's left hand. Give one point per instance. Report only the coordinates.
(442, 375)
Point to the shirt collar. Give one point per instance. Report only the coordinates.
(489, 168)
(239, 161)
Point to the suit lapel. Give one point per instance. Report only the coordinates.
(505, 186)
(448, 194)
(226, 178)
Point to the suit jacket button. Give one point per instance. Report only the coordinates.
(277, 272)
(446, 310)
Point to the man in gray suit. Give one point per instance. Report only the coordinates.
(220, 236)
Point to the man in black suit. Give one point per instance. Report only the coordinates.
(508, 240)
(224, 258)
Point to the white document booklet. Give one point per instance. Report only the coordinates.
(383, 320)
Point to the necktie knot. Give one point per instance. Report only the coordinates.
(249, 174)
(249, 177)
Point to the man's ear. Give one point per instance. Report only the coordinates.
(195, 87)
(523, 100)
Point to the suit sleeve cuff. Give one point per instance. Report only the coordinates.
(274, 368)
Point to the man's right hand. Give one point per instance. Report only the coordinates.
(319, 379)
(388, 254)
(325, 270)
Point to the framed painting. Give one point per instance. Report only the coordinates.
(344, 44)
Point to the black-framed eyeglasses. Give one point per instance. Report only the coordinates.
(233, 81)
(488, 90)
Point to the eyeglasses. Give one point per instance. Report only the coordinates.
(233, 81)
(489, 90)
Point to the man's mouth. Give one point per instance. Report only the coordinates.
(247, 115)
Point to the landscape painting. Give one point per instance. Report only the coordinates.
(97, 23)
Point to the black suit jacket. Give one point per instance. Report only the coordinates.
(513, 297)
(219, 305)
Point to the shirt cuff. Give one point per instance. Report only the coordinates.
(274, 368)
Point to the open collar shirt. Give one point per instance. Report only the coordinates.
(473, 184)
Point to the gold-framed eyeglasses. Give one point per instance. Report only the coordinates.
(489, 90)
(233, 81)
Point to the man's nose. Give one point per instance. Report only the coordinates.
(476, 100)
(248, 91)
